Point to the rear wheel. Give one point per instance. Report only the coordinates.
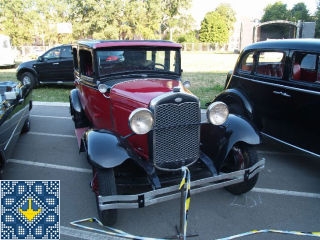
(104, 184)
(241, 156)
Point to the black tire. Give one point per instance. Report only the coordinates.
(240, 157)
(80, 119)
(106, 186)
(26, 126)
(29, 78)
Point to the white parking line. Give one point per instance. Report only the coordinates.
(55, 104)
(82, 234)
(48, 165)
(286, 192)
(44, 116)
(51, 134)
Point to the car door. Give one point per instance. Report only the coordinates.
(303, 101)
(66, 64)
(262, 82)
(55, 65)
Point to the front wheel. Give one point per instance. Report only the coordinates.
(28, 78)
(104, 184)
(241, 156)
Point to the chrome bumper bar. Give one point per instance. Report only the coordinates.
(168, 193)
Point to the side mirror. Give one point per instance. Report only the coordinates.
(40, 59)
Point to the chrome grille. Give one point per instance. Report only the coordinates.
(176, 135)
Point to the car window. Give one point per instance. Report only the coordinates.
(66, 52)
(53, 53)
(86, 67)
(305, 67)
(246, 63)
(270, 64)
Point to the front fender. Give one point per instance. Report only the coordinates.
(104, 149)
(217, 141)
(75, 101)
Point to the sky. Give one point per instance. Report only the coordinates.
(249, 8)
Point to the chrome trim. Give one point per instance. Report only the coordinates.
(172, 192)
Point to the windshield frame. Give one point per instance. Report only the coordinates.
(153, 60)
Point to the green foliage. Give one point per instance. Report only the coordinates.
(216, 27)
(189, 37)
(276, 11)
(279, 11)
(35, 21)
(300, 12)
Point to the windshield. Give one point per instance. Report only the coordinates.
(137, 60)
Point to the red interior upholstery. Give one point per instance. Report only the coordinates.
(296, 75)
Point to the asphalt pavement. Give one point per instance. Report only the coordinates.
(286, 197)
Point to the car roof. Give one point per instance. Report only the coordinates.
(124, 43)
(305, 44)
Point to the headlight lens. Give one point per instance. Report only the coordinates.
(141, 121)
(217, 113)
(102, 88)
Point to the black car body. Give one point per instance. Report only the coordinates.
(15, 106)
(275, 85)
(53, 67)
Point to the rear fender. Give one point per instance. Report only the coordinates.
(217, 141)
(104, 149)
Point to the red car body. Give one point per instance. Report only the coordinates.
(140, 125)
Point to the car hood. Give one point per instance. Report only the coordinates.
(27, 64)
(140, 91)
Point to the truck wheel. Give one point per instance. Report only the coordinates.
(29, 78)
(105, 185)
(240, 157)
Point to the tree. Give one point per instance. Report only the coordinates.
(16, 20)
(172, 11)
(276, 11)
(32, 21)
(299, 12)
(217, 25)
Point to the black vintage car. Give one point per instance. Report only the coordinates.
(276, 86)
(16, 103)
(53, 67)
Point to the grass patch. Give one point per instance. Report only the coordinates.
(205, 85)
(51, 94)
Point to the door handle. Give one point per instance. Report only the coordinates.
(55, 63)
(284, 94)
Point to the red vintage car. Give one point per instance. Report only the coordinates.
(140, 126)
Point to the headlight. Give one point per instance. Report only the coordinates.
(102, 88)
(141, 121)
(217, 113)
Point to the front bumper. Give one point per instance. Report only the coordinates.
(168, 193)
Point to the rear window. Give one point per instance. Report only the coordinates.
(305, 67)
(270, 64)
